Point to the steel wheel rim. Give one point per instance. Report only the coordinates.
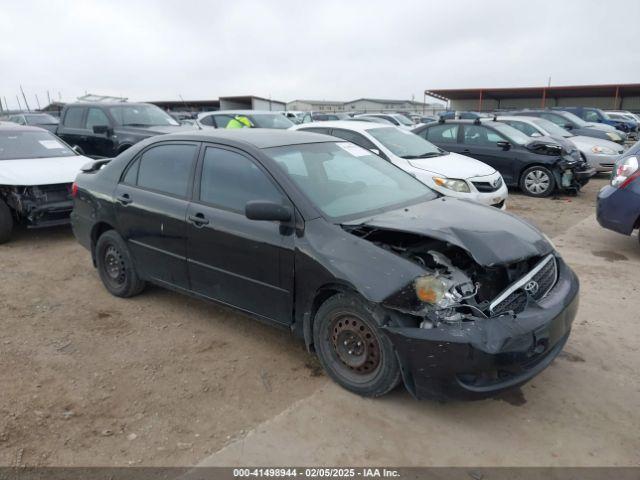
(537, 181)
(114, 266)
(355, 345)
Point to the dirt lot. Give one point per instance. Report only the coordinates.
(89, 379)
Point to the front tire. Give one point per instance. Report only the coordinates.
(537, 181)
(352, 349)
(115, 266)
(6, 222)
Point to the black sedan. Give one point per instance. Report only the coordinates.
(538, 166)
(383, 279)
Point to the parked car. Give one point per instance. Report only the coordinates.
(447, 173)
(101, 129)
(574, 124)
(383, 279)
(461, 115)
(600, 153)
(397, 119)
(36, 173)
(631, 122)
(295, 116)
(42, 120)
(538, 166)
(618, 206)
(257, 118)
(366, 118)
(597, 116)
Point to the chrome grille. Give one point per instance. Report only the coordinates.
(488, 186)
(536, 285)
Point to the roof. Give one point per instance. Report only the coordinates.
(256, 137)
(609, 90)
(10, 126)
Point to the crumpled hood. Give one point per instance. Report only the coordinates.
(453, 165)
(41, 171)
(491, 236)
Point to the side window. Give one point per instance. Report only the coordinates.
(557, 119)
(480, 135)
(353, 137)
(208, 121)
(307, 118)
(525, 128)
(167, 169)
(221, 121)
(131, 177)
(590, 116)
(230, 180)
(73, 117)
(95, 116)
(445, 133)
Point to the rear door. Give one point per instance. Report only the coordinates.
(445, 136)
(480, 142)
(72, 128)
(240, 262)
(152, 199)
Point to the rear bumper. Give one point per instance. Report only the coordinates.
(481, 358)
(618, 209)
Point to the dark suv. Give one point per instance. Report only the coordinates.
(107, 129)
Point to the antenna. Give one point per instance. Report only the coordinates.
(25, 99)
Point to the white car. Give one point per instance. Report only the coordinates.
(397, 119)
(600, 153)
(450, 174)
(37, 170)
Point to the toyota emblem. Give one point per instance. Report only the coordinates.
(532, 287)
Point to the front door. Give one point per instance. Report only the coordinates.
(152, 201)
(480, 143)
(100, 144)
(240, 262)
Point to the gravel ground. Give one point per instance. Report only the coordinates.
(161, 379)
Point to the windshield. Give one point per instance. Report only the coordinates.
(511, 133)
(576, 120)
(141, 116)
(403, 143)
(270, 120)
(551, 128)
(41, 119)
(15, 145)
(403, 120)
(346, 181)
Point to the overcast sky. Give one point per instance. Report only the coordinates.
(158, 50)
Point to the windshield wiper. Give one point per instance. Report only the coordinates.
(136, 125)
(424, 155)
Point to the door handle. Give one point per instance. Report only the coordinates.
(124, 199)
(466, 150)
(198, 220)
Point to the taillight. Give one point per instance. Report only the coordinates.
(74, 190)
(625, 172)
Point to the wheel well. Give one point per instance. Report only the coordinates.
(322, 295)
(97, 230)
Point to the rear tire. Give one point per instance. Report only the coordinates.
(537, 181)
(115, 266)
(6, 222)
(351, 347)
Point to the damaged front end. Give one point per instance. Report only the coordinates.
(571, 171)
(467, 329)
(40, 205)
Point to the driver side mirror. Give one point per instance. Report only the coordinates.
(268, 211)
(102, 129)
(503, 145)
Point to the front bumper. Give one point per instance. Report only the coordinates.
(50, 214)
(481, 358)
(602, 163)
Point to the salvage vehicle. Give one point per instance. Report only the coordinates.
(601, 154)
(447, 173)
(575, 124)
(257, 119)
(539, 166)
(105, 129)
(42, 120)
(596, 116)
(631, 121)
(385, 280)
(36, 173)
(618, 206)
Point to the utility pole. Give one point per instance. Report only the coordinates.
(25, 99)
(19, 106)
(37, 101)
(48, 97)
